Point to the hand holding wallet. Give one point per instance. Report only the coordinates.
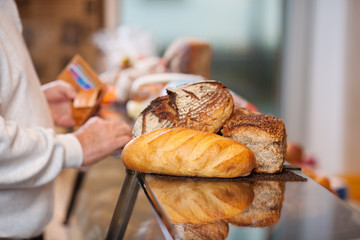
(90, 89)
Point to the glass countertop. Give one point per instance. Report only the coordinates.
(241, 208)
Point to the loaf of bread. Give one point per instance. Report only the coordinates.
(265, 209)
(204, 106)
(265, 135)
(187, 201)
(188, 152)
(189, 55)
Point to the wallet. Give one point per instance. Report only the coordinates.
(90, 89)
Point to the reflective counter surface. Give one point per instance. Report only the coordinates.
(195, 208)
(150, 207)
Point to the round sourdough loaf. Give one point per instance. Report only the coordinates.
(204, 106)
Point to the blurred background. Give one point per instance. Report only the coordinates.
(295, 59)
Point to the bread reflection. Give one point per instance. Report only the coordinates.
(265, 210)
(208, 231)
(188, 201)
(203, 209)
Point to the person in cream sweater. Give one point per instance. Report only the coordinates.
(31, 153)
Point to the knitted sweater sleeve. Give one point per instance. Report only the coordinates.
(33, 157)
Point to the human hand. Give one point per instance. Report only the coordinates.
(59, 95)
(100, 138)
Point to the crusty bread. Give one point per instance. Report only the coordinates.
(204, 106)
(218, 230)
(265, 135)
(265, 210)
(189, 55)
(159, 114)
(201, 201)
(188, 152)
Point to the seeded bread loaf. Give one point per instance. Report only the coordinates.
(265, 135)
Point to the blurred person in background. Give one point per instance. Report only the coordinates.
(31, 153)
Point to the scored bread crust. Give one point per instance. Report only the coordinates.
(159, 114)
(188, 152)
(203, 106)
(265, 135)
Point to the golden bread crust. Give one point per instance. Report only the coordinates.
(188, 152)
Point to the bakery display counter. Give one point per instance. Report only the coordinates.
(289, 205)
(116, 203)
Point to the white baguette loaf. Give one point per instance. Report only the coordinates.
(188, 152)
